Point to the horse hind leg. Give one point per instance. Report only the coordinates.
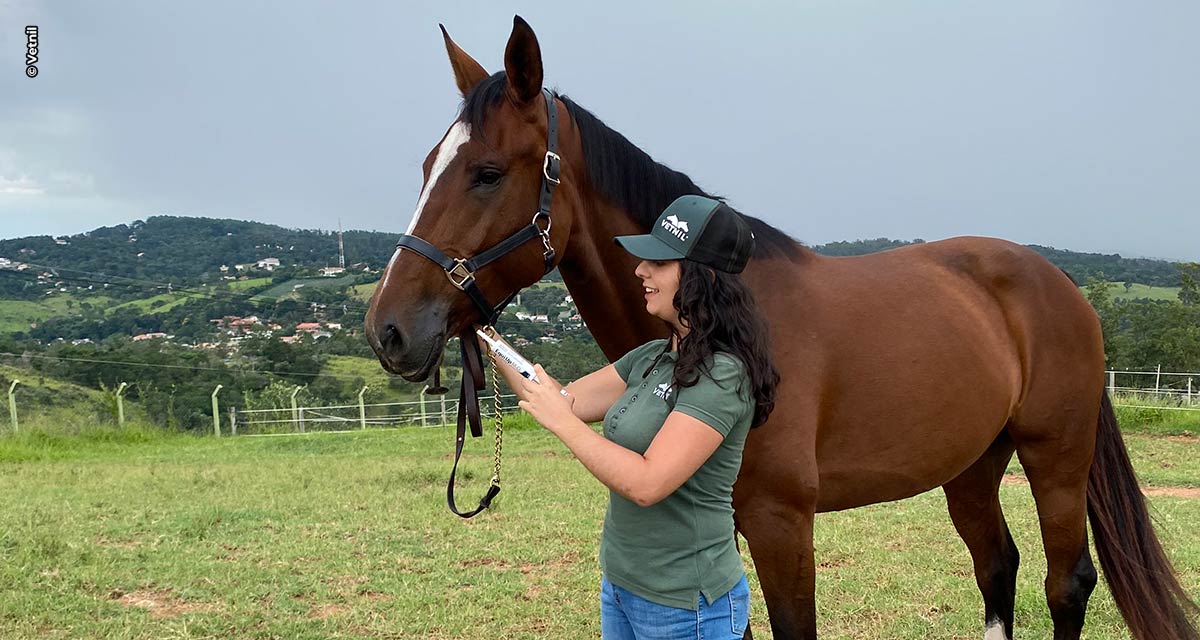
(973, 499)
(1057, 463)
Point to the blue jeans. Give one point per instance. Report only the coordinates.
(625, 616)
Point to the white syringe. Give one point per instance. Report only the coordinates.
(509, 355)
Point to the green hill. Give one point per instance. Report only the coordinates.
(185, 249)
(1082, 266)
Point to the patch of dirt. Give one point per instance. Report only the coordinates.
(1174, 492)
(486, 562)
(321, 612)
(117, 544)
(1171, 492)
(161, 603)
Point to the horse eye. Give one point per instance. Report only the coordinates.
(488, 177)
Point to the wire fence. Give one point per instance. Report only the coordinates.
(1156, 389)
(429, 412)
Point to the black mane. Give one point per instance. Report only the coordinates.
(622, 173)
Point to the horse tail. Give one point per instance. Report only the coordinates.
(1138, 572)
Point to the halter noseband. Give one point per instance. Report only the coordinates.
(461, 271)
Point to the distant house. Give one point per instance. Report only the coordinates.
(149, 336)
(235, 325)
(61, 241)
(332, 271)
(267, 263)
(289, 339)
(313, 329)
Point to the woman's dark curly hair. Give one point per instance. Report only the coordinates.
(721, 314)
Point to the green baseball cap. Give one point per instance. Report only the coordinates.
(696, 228)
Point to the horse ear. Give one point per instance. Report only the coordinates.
(523, 63)
(467, 72)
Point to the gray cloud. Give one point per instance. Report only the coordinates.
(1066, 124)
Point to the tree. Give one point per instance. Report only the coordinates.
(1189, 276)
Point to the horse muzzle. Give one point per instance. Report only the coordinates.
(409, 350)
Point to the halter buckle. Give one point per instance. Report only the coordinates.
(461, 272)
(552, 165)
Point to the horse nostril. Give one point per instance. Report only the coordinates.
(391, 337)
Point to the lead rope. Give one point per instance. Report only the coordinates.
(499, 416)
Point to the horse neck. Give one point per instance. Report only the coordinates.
(599, 275)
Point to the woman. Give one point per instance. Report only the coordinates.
(676, 413)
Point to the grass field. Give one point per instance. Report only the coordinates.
(298, 285)
(16, 315)
(1143, 291)
(137, 534)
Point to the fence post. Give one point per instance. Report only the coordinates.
(1157, 376)
(1189, 391)
(216, 413)
(295, 412)
(362, 411)
(301, 414)
(232, 420)
(423, 404)
(12, 403)
(443, 416)
(1112, 382)
(121, 405)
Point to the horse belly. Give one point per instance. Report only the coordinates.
(913, 407)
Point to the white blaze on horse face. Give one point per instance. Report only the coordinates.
(458, 135)
(995, 631)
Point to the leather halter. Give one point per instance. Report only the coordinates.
(461, 273)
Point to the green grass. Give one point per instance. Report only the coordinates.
(140, 534)
(17, 315)
(364, 291)
(1145, 413)
(249, 283)
(289, 287)
(1143, 291)
(162, 302)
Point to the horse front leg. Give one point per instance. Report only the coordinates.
(780, 537)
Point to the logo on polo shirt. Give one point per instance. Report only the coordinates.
(676, 227)
(663, 391)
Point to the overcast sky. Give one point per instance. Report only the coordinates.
(1072, 124)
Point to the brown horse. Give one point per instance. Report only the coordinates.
(904, 371)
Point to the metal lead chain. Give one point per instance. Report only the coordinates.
(499, 416)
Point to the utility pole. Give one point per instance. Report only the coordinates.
(341, 246)
(12, 403)
(216, 413)
(121, 405)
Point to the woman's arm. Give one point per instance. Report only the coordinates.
(596, 393)
(679, 449)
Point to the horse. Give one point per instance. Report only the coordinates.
(920, 367)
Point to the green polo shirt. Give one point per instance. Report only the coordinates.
(682, 546)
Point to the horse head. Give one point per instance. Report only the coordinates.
(482, 195)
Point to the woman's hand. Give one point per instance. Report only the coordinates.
(547, 402)
(510, 375)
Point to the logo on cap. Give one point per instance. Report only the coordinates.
(676, 227)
